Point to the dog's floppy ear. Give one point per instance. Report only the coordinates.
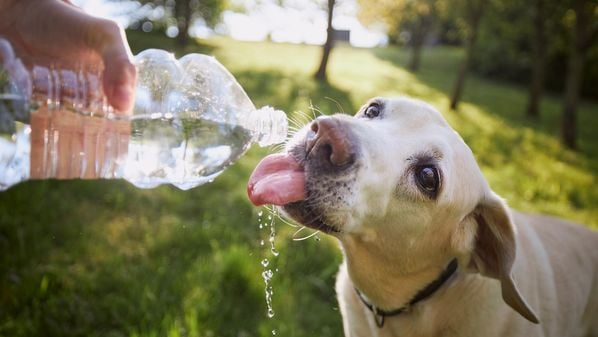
(494, 251)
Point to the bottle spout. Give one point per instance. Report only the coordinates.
(268, 125)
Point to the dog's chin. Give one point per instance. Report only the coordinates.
(302, 213)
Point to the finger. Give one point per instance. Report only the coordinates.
(59, 30)
(120, 75)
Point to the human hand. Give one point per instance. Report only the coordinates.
(67, 145)
(57, 32)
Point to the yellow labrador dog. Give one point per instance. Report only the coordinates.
(429, 249)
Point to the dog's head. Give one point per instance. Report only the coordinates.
(397, 181)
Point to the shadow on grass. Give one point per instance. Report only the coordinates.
(106, 259)
(523, 158)
(292, 92)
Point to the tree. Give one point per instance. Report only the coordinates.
(538, 43)
(473, 11)
(584, 30)
(417, 18)
(327, 47)
(183, 14)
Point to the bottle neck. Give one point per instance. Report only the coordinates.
(269, 126)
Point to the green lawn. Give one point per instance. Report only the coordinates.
(106, 259)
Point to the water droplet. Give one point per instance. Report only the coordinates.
(270, 313)
(269, 217)
(273, 332)
(267, 275)
(262, 242)
(260, 213)
(265, 263)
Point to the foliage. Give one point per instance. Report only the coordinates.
(102, 258)
(182, 13)
(503, 50)
(404, 16)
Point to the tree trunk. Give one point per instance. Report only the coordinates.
(327, 48)
(182, 13)
(416, 55)
(460, 82)
(538, 60)
(580, 42)
(419, 37)
(572, 84)
(475, 11)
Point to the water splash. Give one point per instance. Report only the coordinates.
(272, 236)
(267, 276)
(267, 273)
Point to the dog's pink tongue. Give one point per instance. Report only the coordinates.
(278, 180)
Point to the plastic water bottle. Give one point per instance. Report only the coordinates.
(191, 119)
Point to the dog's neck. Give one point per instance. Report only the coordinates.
(424, 293)
(389, 280)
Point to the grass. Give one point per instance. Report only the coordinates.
(82, 258)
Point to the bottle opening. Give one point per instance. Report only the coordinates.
(269, 125)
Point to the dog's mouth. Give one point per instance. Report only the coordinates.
(314, 179)
(281, 180)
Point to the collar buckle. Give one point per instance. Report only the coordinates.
(378, 317)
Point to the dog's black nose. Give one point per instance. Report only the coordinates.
(329, 141)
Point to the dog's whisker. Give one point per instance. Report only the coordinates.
(294, 128)
(313, 110)
(338, 104)
(279, 147)
(295, 124)
(300, 119)
(312, 234)
(273, 210)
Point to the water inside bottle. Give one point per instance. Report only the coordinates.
(186, 152)
(14, 143)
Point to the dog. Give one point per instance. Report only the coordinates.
(429, 249)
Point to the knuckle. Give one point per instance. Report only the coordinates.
(108, 27)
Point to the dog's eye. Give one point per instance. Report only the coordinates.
(427, 179)
(372, 111)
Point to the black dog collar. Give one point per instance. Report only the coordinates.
(429, 290)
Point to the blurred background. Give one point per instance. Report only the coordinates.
(517, 79)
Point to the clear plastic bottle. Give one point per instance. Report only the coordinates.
(191, 119)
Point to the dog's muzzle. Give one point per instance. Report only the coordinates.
(311, 180)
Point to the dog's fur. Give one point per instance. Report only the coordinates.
(514, 268)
